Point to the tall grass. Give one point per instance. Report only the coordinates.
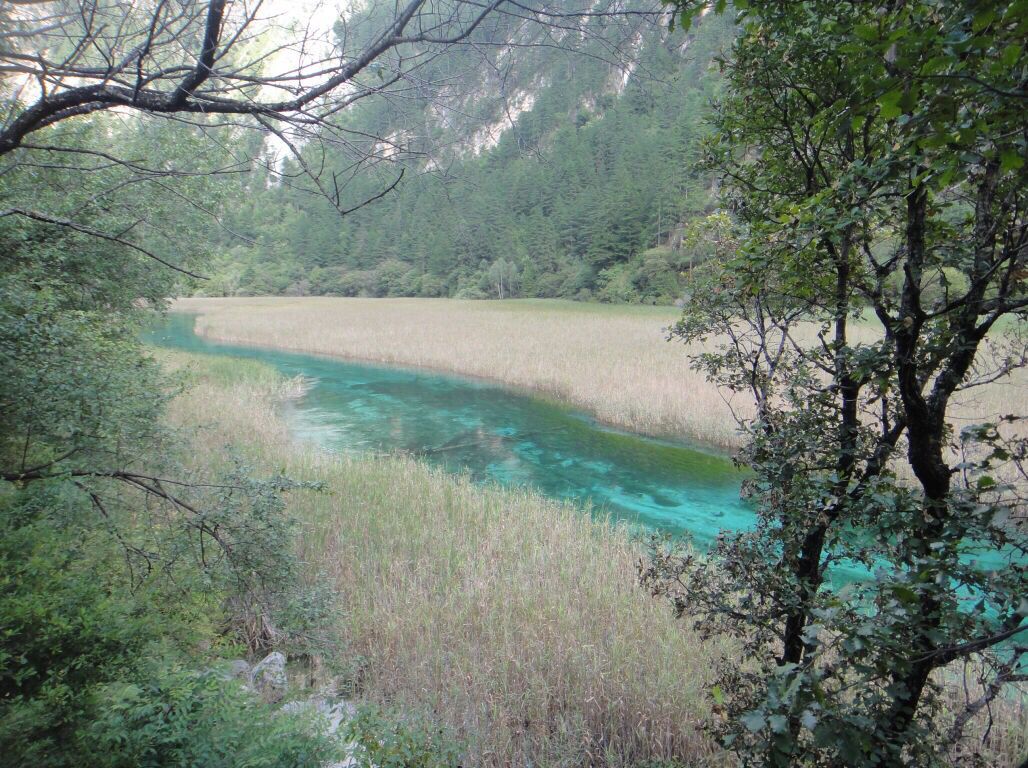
(613, 361)
(514, 620)
(511, 619)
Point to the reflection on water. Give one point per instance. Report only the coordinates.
(499, 435)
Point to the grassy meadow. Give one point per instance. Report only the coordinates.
(611, 360)
(513, 620)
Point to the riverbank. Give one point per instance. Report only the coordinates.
(613, 361)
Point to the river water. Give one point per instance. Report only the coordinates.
(514, 439)
(499, 435)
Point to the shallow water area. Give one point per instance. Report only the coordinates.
(498, 435)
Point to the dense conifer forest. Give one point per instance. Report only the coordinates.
(557, 175)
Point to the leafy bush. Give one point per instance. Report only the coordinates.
(62, 632)
(178, 717)
(95, 665)
(390, 740)
(615, 284)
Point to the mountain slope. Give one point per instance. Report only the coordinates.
(529, 171)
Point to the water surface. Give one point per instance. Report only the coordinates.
(498, 435)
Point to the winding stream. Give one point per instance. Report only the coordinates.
(498, 435)
(515, 439)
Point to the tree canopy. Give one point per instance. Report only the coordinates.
(873, 161)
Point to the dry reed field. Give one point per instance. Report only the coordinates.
(612, 361)
(514, 620)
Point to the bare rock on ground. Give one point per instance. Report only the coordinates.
(268, 677)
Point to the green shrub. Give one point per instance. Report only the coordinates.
(96, 670)
(179, 717)
(63, 632)
(615, 285)
(392, 740)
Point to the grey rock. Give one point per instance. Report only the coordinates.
(299, 707)
(237, 669)
(339, 714)
(335, 713)
(268, 677)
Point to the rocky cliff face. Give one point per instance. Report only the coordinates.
(577, 59)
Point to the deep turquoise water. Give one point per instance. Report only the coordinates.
(499, 435)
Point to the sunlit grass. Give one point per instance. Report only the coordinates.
(611, 361)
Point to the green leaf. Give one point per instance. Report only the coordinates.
(1010, 55)
(1010, 160)
(904, 594)
(889, 105)
(866, 31)
(983, 19)
(753, 721)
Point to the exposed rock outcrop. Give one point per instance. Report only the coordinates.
(268, 677)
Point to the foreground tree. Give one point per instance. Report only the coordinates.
(874, 160)
(121, 558)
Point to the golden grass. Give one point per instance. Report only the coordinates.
(613, 361)
(514, 620)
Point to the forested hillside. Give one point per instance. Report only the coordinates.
(552, 175)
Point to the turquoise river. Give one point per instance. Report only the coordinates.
(495, 434)
(499, 435)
